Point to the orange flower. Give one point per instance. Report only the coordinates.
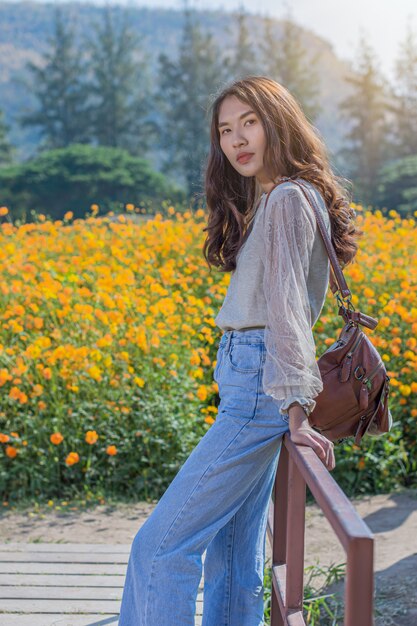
(111, 450)
(11, 452)
(3, 211)
(91, 436)
(361, 464)
(56, 438)
(72, 458)
(47, 373)
(4, 438)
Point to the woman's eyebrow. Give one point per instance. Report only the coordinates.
(240, 117)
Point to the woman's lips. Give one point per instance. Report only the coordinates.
(245, 157)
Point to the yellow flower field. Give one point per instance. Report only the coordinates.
(108, 341)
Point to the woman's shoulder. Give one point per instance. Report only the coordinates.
(302, 196)
(292, 187)
(289, 195)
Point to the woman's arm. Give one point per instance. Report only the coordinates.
(291, 372)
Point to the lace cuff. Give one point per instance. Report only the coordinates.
(308, 403)
(290, 369)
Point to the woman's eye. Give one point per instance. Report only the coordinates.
(251, 121)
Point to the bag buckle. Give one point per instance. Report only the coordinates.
(359, 372)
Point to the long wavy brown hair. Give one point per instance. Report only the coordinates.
(294, 149)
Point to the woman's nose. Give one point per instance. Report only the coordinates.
(239, 141)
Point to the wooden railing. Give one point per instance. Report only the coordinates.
(298, 466)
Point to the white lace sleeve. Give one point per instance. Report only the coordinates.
(291, 372)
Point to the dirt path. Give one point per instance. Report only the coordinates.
(392, 518)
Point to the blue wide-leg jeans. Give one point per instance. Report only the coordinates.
(218, 501)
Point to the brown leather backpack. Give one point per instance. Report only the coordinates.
(354, 399)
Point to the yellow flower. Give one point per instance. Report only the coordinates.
(201, 393)
(4, 376)
(95, 372)
(405, 390)
(368, 293)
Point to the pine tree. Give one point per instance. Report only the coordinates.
(368, 137)
(243, 61)
(119, 85)
(185, 86)
(7, 151)
(287, 61)
(60, 89)
(406, 96)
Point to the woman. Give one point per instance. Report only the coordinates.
(263, 230)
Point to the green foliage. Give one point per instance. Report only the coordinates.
(398, 185)
(321, 607)
(6, 149)
(60, 89)
(367, 142)
(159, 31)
(382, 464)
(74, 178)
(287, 61)
(242, 61)
(120, 86)
(157, 435)
(406, 95)
(185, 85)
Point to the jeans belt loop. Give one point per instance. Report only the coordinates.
(228, 341)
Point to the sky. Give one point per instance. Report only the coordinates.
(383, 22)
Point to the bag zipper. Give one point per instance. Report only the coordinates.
(355, 345)
(347, 362)
(367, 381)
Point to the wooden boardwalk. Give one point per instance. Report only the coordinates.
(64, 584)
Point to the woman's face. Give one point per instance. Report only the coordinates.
(242, 139)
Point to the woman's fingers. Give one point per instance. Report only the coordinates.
(306, 438)
(322, 446)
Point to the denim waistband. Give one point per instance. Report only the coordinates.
(244, 335)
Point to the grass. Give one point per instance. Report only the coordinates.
(321, 606)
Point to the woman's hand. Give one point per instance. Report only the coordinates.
(302, 433)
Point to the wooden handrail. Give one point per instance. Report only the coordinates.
(299, 466)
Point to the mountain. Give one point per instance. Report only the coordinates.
(25, 27)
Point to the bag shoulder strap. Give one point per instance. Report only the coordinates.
(340, 282)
